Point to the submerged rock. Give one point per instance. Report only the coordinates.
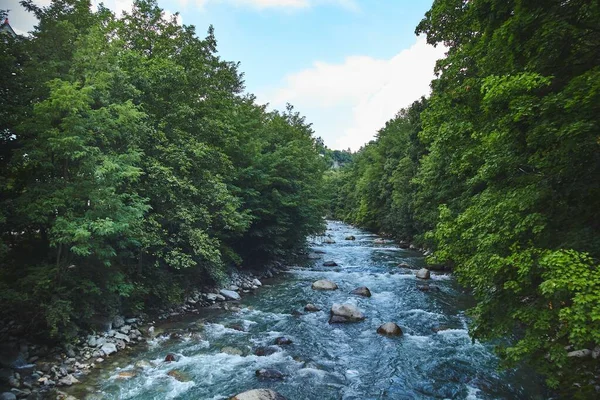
(126, 375)
(232, 351)
(423, 273)
(324, 284)
(328, 241)
(268, 373)
(345, 313)
(330, 264)
(362, 291)
(170, 357)
(350, 237)
(311, 308)
(179, 376)
(265, 351)
(259, 394)
(389, 329)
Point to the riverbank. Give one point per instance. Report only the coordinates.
(32, 371)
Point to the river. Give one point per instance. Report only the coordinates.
(434, 359)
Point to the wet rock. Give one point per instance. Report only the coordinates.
(230, 294)
(330, 264)
(345, 313)
(211, 296)
(379, 241)
(91, 341)
(126, 375)
(125, 329)
(324, 284)
(108, 348)
(350, 238)
(282, 340)
(259, 394)
(68, 380)
(440, 328)
(404, 265)
(170, 357)
(232, 351)
(179, 375)
(389, 329)
(423, 273)
(314, 256)
(11, 396)
(265, 351)
(122, 336)
(328, 241)
(256, 282)
(268, 373)
(311, 308)
(236, 327)
(234, 288)
(362, 291)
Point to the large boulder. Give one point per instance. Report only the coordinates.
(324, 284)
(230, 294)
(389, 329)
(345, 313)
(258, 394)
(330, 264)
(423, 273)
(362, 291)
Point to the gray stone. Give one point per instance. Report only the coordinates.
(423, 273)
(91, 341)
(345, 313)
(282, 340)
(580, 353)
(68, 380)
(256, 282)
(330, 264)
(234, 288)
(220, 297)
(125, 329)
(118, 321)
(258, 394)
(109, 348)
(389, 329)
(362, 291)
(211, 296)
(121, 336)
(230, 294)
(324, 284)
(328, 241)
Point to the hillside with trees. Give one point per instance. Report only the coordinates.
(498, 173)
(134, 168)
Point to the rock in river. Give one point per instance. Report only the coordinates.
(330, 264)
(345, 313)
(267, 373)
(265, 351)
(350, 237)
(423, 273)
(259, 394)
(282, 340)
(328, 241)
(311, 308)
(324, 284)
(389, 329)
(230, 294)
(362, 291)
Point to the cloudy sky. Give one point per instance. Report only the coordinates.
(348, 65)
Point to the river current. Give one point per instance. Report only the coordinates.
(434, 359)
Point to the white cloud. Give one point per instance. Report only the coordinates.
(282, 4)
(349, 102)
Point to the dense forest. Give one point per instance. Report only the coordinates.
(133, 167)
(498, 173)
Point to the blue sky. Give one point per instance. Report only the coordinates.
(348, 65)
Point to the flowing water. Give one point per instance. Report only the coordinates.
(434, 359)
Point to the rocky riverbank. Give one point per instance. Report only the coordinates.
(32, 371)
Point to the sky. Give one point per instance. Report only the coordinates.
(347, 65)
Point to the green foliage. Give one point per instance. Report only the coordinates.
(502, 178)
(134, 169)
